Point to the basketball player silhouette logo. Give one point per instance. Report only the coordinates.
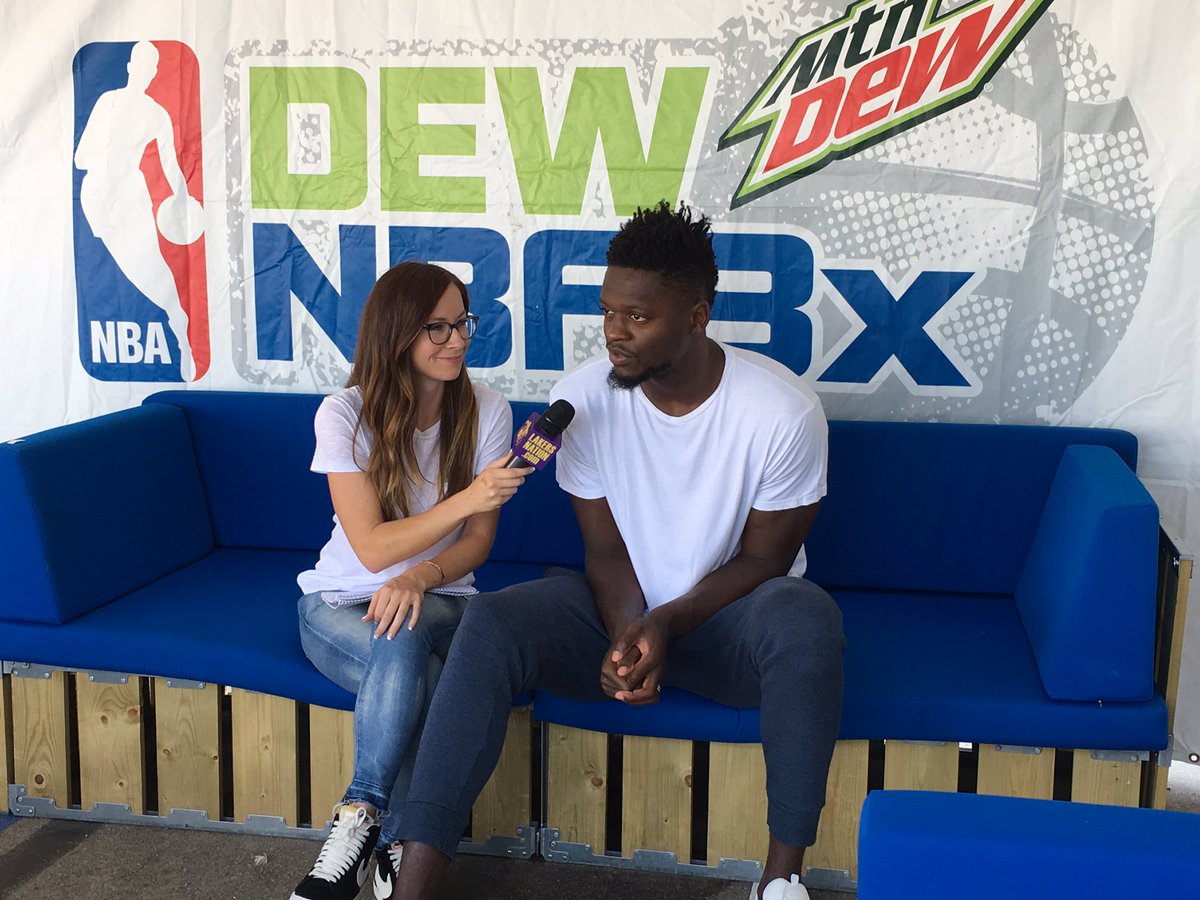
(139, 213)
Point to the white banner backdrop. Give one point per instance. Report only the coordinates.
(973, 211)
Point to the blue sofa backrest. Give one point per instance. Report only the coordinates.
(96, 509)
(899, 493)
(254, 453)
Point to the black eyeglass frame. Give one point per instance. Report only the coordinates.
(466, 327)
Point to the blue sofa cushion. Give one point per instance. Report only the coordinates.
(96, 509)
(960, 668)
(916, 845)
(1087, 595)
(901, 495)
(918, 667)
(254, 452)
(229, 618)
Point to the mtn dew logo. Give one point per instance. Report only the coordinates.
(883, 67)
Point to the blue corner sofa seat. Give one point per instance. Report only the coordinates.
(918, 845)
(997, 582)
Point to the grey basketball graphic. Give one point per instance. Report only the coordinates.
(1039, 183)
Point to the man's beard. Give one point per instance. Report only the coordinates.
(617, 383)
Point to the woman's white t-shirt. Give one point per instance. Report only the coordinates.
(339, 568)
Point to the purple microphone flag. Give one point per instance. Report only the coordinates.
(533, 446)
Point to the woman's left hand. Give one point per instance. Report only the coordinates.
(393, 602)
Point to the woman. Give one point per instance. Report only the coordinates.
(405, 446)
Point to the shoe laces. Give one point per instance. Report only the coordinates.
(394, 852)
(344, 844)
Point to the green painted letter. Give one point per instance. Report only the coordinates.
(552, 181)
(308, 138)
(404, 141)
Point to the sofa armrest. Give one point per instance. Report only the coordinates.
(96, 509)
(1087, 592)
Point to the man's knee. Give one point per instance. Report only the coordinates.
(796, 615)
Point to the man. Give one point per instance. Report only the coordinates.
(695, 471)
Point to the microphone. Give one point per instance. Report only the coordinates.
(541, 436)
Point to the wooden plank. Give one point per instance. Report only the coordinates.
(111, 743)
(264, 756)
(6, 742)
(737, 803)
(1016, 774)
(1112, 783)
(40, 736)
(920, 767)
(331, 755)
(187, 729)
(837, 835)
(656, 796)
(504, 804)
(576, 783)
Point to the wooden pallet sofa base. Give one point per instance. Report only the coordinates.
(165, 540)
(108, 747)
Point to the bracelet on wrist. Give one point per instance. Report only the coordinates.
(441, 574)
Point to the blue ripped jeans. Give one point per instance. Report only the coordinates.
(394, 682)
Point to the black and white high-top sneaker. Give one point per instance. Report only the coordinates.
(341, 866)
(387, 864)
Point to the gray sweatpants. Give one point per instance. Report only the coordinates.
(779, 648)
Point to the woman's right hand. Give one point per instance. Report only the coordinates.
(493, 487)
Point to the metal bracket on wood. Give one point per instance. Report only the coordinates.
(107, 677)
(32, 670)
(20, 804)
(917, 743)
(1012, 748)
(1167, 754)
(1120, 755)
(6, 667)
(184, 684)
(830, 880)
(660, 861)
(522, 846)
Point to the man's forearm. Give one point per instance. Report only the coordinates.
(715, 591)
(616, 590)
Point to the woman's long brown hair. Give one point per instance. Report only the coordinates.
(399, 304)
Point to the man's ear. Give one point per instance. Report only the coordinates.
(700, 316)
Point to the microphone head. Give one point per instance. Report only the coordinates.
(557, 417)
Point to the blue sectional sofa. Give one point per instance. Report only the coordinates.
(997, 582)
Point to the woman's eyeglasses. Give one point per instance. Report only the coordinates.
(439, 332)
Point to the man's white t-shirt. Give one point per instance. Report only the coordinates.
(339, 568)
(681, 488)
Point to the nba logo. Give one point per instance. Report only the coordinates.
(140, 279)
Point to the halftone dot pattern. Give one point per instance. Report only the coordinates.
(1053, 360)
(976, 329)
(1107, 168)
(1087, 79)
(981, 135)
(1098, 271)
(1020, 64)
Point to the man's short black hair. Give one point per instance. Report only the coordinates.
(677, 245)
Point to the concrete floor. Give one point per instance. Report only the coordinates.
(42, 859)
